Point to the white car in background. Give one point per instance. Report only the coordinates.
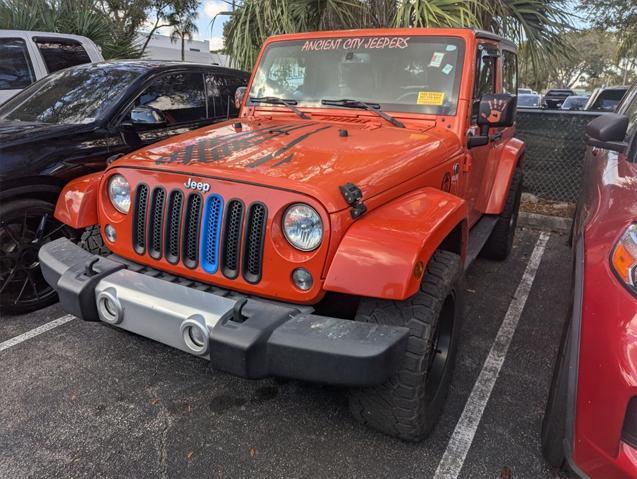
(25, 57)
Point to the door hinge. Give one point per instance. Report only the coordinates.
(466, 164)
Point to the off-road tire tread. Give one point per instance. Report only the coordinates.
(91, 240)
(498, 246)
(398, 407)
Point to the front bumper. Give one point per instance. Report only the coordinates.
(245, 336)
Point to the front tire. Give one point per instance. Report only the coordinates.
(499, 244)
(26, 225)
(409, 404)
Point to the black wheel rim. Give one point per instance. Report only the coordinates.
(441, 348)
(22, 234)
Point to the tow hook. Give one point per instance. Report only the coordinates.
(237, 311)
(354, 197)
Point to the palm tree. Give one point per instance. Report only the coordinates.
(538, 23)
(183, 29)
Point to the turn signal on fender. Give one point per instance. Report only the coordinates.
(624, 258)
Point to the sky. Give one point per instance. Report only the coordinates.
(207, 11)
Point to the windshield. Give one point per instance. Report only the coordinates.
(73, 96)
(401, 74)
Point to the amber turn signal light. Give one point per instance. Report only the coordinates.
(624, 258)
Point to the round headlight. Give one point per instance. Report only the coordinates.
(302, 227)
(119, 193)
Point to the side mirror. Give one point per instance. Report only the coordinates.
(608, 131)
(497, 110)
(494, 111)
(145, 115)
(238, 96)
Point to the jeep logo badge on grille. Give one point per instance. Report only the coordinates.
(199, 186)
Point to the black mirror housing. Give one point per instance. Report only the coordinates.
(497, 110)
(608, 131)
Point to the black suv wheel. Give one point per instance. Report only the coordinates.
(25, 225)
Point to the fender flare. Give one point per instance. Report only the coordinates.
(512, 155)
(77, 204)
(384, 253)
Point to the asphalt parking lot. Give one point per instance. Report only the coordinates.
(87, 400)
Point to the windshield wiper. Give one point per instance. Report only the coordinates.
(373, 107)
(275, 100)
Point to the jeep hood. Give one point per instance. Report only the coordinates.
(311, 157)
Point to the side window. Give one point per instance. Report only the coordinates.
(16, 70)
(509, 73)
(61, 53)
(485, 80)
(218, 96)
(235, 82)
(485, 77)
(179, 96)
(220, 92)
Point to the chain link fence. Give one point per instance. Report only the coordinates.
(555, 145)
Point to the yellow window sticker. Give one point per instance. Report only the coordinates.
(435, 98)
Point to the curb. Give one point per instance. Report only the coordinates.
(544, 222)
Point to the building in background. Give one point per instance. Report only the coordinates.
(197, 51)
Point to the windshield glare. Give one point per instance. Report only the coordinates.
(74, 96)
(401, 73)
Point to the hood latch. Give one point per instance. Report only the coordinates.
(354, 197)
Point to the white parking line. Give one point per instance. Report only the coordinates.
(35, 332)
(462, 437)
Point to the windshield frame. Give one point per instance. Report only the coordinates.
(460, 41)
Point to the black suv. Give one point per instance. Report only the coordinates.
(554, 98)
(67, 125)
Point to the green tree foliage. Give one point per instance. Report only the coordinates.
(80, 17)
(595, 63)
(114, 25)
(538, 22)
(619, 16)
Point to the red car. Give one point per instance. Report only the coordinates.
(590, 424)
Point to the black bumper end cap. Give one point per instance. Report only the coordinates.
(74, 273)
(280, 341)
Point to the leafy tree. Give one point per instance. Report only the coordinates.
(594, 64)
(538, 22)
(183, 28)
(619, 16)
(80, 17)
(167, 13)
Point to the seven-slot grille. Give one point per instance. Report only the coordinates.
(200, 231)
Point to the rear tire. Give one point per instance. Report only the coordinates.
(499, 244)
(409, 404)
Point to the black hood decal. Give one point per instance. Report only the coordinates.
(285, 148)
(215, 149)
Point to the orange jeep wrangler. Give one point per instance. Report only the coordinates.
(323, 235)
